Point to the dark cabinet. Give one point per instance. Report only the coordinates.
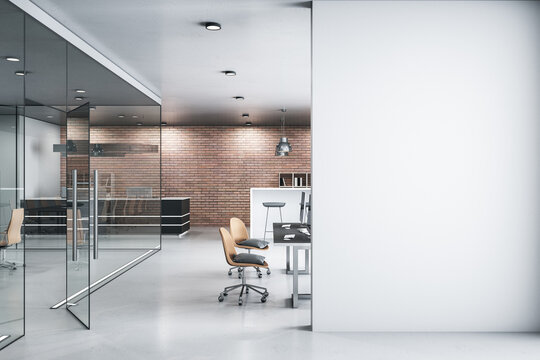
(175, 215)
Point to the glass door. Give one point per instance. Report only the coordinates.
(78, 213)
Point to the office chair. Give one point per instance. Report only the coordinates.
(69, 227)
(241, 239)
(11, 237)
(242, 260)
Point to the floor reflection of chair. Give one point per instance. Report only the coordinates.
(11, 237)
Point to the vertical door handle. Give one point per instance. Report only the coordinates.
(96, 217)
(74, 216)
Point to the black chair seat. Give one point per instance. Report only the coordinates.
(261, 244)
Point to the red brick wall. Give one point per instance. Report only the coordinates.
(214, 165)
(132, 170)
(217, 165)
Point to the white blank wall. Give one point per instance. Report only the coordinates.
(427, 204)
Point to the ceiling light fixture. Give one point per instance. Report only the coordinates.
(12, 59)
(80, 91)
(249, 123)
(97, 150)
(139, 123)
(49, 116)
(212, 26)
(134, 116)
(283, 147)
(163, 123)
(238, 97)
(92, 108)
(20, 73)
(245, 115)
(79, 98)
(229, 73)
(121, 116)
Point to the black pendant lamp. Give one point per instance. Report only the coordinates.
(283, 147)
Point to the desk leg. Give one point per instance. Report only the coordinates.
(295, 278)
(304, 271)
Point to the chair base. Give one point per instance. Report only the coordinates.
(4, 263)
(9, 265)
(244, 287)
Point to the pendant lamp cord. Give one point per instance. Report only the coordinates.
(283, 122)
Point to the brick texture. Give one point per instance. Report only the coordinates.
(217, 165)
(214, 165)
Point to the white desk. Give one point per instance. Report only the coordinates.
(291, 211)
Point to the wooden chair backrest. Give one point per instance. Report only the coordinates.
(69, 226)
(13, 233)
(239, 231)
(228, 245)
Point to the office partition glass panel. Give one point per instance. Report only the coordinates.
(45, 80)
(12, 272)
(78, 213)
(11, 244)
(125, 152)
(45, 111)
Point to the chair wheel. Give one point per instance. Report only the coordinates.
(247, 290)
(268, 272)
(229, 273)
(263, 299)
(259, 275)
(239, 275)
(240, 302)
(225, 294)
(220, 297)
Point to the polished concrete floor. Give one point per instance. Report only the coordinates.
(166, 308)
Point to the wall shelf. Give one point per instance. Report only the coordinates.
(294, 180)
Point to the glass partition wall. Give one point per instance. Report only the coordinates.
(126, 154)
(61, 111)
(12, 256)
(11, 238)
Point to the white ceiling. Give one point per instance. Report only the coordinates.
(163, 45)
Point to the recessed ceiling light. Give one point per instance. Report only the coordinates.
(245, 115)
(163, 123)
(20, 73)
(121, 116)
(92, 108)
(230, 73)
(79, 98)
(80, 91)
(134, 116)
(238, 97)
(139, 123)
(212, 26)
(12, 58)
(248, 123)
(49, 116)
